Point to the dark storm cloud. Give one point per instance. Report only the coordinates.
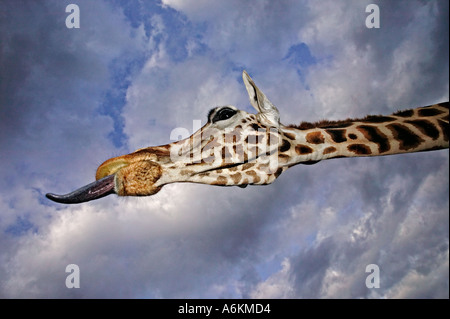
(53, 79)
(402, 21)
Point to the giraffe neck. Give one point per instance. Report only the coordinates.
(420, 129)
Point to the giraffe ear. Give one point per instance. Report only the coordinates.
(267, 112)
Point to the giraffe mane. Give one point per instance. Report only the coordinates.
(368, 119)
(325, 124)
(322, 124)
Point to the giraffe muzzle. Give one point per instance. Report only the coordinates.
(95, 190)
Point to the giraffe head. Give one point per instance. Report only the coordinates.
(233, 148)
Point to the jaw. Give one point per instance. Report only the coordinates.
(138, 173)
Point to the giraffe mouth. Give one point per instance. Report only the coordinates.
(95, 190)
(228, 166)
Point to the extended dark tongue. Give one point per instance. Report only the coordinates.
(95, 190)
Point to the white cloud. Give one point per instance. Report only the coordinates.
(406, 240)
(279, 285)
(164, 97)
(416, 285)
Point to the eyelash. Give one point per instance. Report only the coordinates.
(223, 114)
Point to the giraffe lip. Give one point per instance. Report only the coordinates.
(95, 190)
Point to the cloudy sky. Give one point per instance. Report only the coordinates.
(71, 98)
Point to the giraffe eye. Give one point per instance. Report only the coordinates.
(223, 114)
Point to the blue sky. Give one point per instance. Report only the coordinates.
(136, 70)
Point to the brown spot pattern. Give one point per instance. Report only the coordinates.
(444, 128)
(236, 177)
(247, 166)
(278, 172)
(407, 113)
(255, 177)
(303, 149)
(378, 119)
(285, 146)
(373, 134)
(315, 138)
(359, 149)
(337, 136)
(405, 136)
(426, 127)
(256, 126)
(428, 111)
(221, 180)
(328, 150)
(290, 136)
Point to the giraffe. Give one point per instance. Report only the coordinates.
(237, 148)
